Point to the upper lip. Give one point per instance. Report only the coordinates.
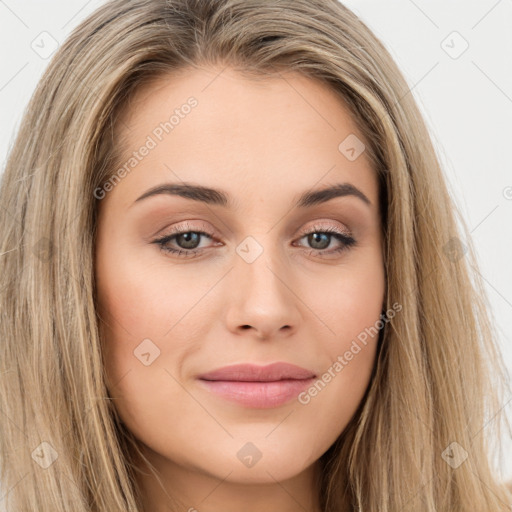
(254, 373)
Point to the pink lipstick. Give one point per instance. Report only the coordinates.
(258, 387)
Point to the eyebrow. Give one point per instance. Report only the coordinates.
(218, 197)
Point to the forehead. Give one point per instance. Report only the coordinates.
(286, 97)
(259, 134)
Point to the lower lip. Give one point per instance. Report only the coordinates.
(258, 395)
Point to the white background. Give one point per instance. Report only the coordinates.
(467, 103)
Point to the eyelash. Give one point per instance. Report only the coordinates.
(346, 240)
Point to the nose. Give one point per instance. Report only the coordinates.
(262, 299)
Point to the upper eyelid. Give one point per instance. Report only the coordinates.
(318, 225)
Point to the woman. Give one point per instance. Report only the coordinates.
(178, 335)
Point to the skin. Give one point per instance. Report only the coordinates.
(264, 142)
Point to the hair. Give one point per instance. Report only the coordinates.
(438, 376)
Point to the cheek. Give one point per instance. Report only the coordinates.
(131, 307)
(350, 308)
(140, 301)
(149, 327)
(349, 300)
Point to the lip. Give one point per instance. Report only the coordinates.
(256, 386)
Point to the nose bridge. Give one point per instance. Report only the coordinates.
(256, 260)
(258, 267)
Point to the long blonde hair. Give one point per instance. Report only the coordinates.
(438, 379)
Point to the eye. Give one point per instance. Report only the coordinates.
(188, 241)
(319, 238)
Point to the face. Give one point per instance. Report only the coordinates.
(254, 272)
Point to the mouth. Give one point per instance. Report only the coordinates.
(258, 387)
